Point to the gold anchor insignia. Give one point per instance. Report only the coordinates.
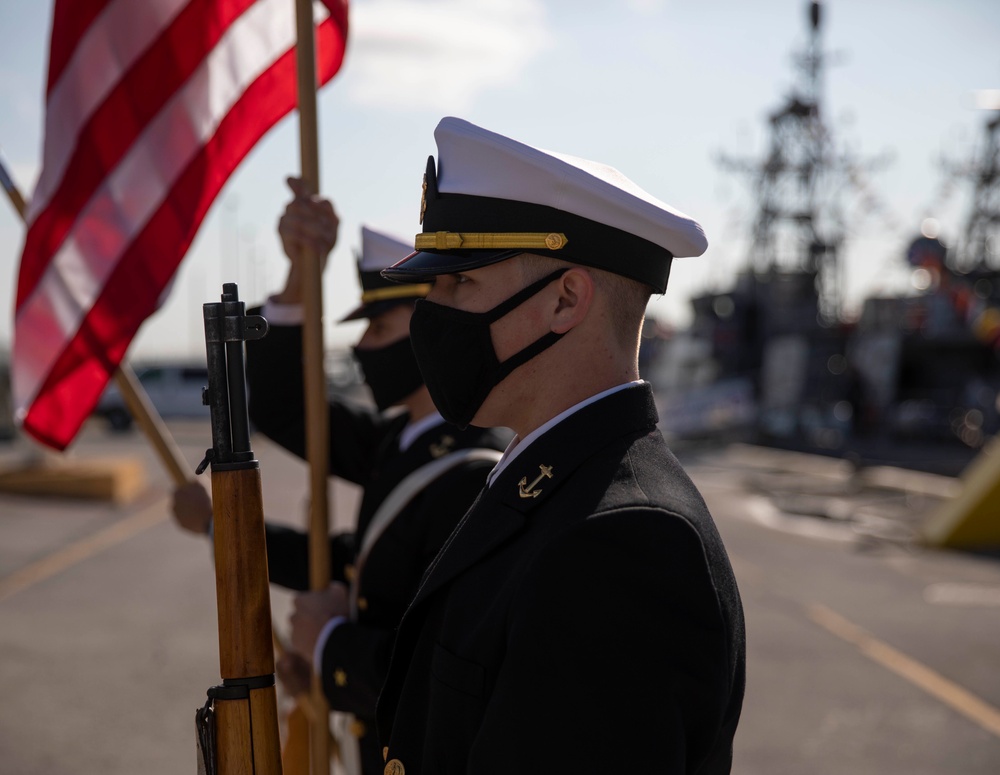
(443, 446)
(526, 490)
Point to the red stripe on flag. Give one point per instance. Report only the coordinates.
(76, 380)
(116, 124)
(338, 15)
(70, 21)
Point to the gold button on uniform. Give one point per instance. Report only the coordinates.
(349, 572)
(555, 241)
(395, 767)
(358, 729)
(340, 677)
(362, 604)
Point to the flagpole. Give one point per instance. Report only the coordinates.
(11, 188)
(316, 408)
(132, 391)
(146, 416)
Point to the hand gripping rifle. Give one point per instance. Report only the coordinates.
(238, 726)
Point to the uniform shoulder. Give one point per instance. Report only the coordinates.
(655, 559)
(486, 438)
(648, 476)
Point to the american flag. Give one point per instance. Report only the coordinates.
(150, 106)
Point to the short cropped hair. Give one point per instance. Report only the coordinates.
(627, 299)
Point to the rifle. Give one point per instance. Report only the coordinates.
(238, 726)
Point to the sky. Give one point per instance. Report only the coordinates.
(660, 89)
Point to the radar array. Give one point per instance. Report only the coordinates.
(798, 188)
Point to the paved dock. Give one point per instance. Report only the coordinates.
(867, 653)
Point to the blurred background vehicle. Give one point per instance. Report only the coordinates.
(174, 389)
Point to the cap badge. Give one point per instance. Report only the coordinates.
(526, 490)
(423, 198)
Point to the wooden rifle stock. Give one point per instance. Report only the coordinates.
(238, 727)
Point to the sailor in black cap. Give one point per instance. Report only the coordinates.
(584, 616)
(419, 474)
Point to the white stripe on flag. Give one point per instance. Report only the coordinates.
(131, 194)
(113, 42)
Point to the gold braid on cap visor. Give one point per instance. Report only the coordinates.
(395, 292)
(451, 240)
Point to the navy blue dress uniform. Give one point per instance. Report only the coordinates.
(605, 603)
(365, 449)
(584, 616)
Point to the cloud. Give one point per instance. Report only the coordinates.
(647, 7)
(440, 54)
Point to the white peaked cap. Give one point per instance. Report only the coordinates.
(473, 160)
(490, 198)
(379, 250)
(378, 295)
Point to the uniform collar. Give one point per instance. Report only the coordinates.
(518, 445)
(541, 465)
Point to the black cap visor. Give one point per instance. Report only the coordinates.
(376, 308)
(425, 265)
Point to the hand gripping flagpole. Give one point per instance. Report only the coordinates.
(317, 410)
(132, 391)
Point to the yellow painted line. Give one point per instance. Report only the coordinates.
(65, 558)
(918, 674)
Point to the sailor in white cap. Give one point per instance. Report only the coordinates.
(584, 616)
(419, 474)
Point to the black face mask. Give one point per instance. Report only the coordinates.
(456, 356)
(391, 372)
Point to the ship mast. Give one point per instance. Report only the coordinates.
(799, 222)
(979, 247)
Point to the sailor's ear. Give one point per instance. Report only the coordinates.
(575, 295)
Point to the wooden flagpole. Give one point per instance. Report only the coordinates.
(316, 408)
(152, 424)
(11, 188)
(132, 391)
